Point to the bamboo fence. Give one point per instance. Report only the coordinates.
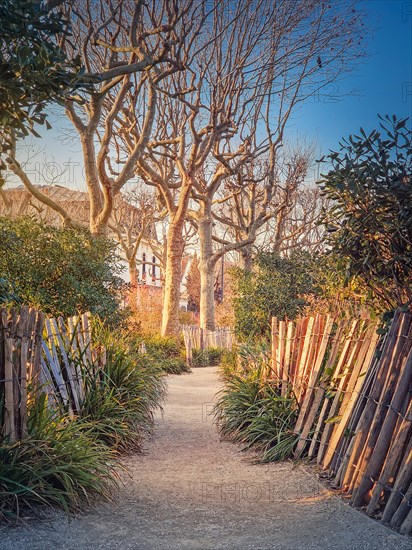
(199, 338)
(41, 355)
(354, 391)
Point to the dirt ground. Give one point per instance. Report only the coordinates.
(191, 491)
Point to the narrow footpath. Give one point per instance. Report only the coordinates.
(191, 491)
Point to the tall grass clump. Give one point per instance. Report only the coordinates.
(251, 410)
(121, 395)
(59, 464)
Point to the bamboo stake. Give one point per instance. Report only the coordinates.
(340, 367)
(393, 459)
(403, 508)
(9, 420)
(354, 388)
(353, 364)
(288, 347)
(22, 328)
(400, 486)
(406, 527)
(274, 337)
(70, 379)
(307, 415)
(281, 349)
(370, 405)
(303, 357)
(383, 442)
(372, 456)
(336, 341)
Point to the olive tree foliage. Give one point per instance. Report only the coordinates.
(369, 221)
(34, 72)
(34, 69)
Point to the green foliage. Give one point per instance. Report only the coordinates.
(164, 352)
(8, 295)
(67, 462)
(60, 271)
(121, 397)
(210, 357)
(370, 220)
(277, 287)
(228, 364)
(59, 464)
(251, 411)
(33, 68)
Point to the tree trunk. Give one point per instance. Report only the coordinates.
(206, 267)
(246, 254)
(93, 185)
(133, 295)
(173, 276)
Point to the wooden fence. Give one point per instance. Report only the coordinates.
(38, 354)
(354, 390)
(199, 338)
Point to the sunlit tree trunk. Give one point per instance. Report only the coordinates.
(173, 277)
(207, 264)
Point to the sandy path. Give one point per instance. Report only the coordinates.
(191, 491)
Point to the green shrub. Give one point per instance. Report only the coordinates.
(166, 353)
(251, 411)
(277, 287)
(60, 464)
(60, 271)
(228, 364)
(210, 357)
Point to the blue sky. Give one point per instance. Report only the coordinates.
(382, 84)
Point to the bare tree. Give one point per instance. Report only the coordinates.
(128, 48)
(191, 120)
(132, 221)
(207, 114)
(298, 51)
(250, 205)
(299, 226)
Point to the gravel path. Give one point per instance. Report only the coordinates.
(191, 491)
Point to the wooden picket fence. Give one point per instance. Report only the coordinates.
(354, 390)
(41, 355)
(199, 338)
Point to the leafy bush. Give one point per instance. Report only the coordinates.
(277, 287)
(8, 295)
(121, 397)
(60, 271)
(162, 352)
(251, 411)
(228, 364)
(370, 219)
(59, 464)
(207, 357)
